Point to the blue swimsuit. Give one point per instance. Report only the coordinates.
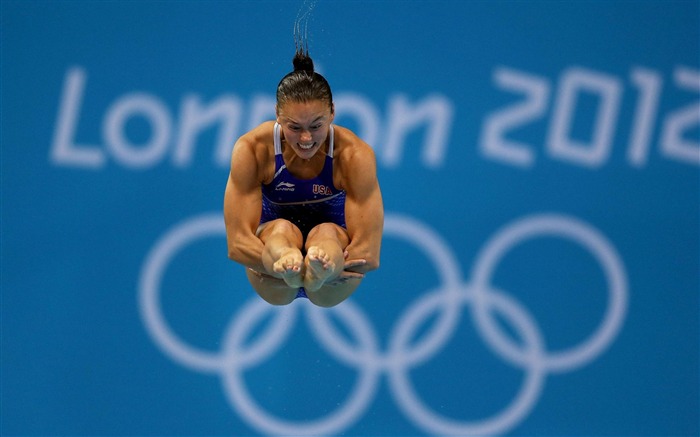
(304, 202)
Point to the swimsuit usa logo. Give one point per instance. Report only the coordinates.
(322, 189)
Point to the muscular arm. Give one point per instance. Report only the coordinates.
(364, 209)
(242, 207)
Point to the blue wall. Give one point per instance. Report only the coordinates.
(540, 267)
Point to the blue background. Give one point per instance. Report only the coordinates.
(77, 357)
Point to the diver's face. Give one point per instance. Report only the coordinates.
(305, 125)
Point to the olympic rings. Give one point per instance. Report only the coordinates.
(364, 353)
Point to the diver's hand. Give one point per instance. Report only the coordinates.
(347, 274)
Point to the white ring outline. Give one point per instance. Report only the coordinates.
(418, 413)
(336, 421)
(451, 277)
(329, 337)
(590, 239)
(159, 257)
(284, 319)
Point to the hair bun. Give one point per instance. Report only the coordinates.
(303, 62)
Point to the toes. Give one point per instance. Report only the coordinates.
(287, 266)
(319, 255)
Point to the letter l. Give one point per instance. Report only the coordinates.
(63, 150)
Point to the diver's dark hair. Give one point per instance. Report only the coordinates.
(303, 84)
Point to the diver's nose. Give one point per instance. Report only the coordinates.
(305, 136)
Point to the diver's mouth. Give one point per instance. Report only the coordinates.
(306, 146)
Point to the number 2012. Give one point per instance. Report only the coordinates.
(594, 152)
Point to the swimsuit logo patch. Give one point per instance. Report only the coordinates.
(284, 186)
(322, 189)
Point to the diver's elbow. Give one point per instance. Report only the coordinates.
(371, 263)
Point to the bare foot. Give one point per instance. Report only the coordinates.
(319, 268)
(288, 266)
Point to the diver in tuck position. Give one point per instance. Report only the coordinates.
(302, 207)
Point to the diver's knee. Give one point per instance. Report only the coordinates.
(327, 230)
(279, 226)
